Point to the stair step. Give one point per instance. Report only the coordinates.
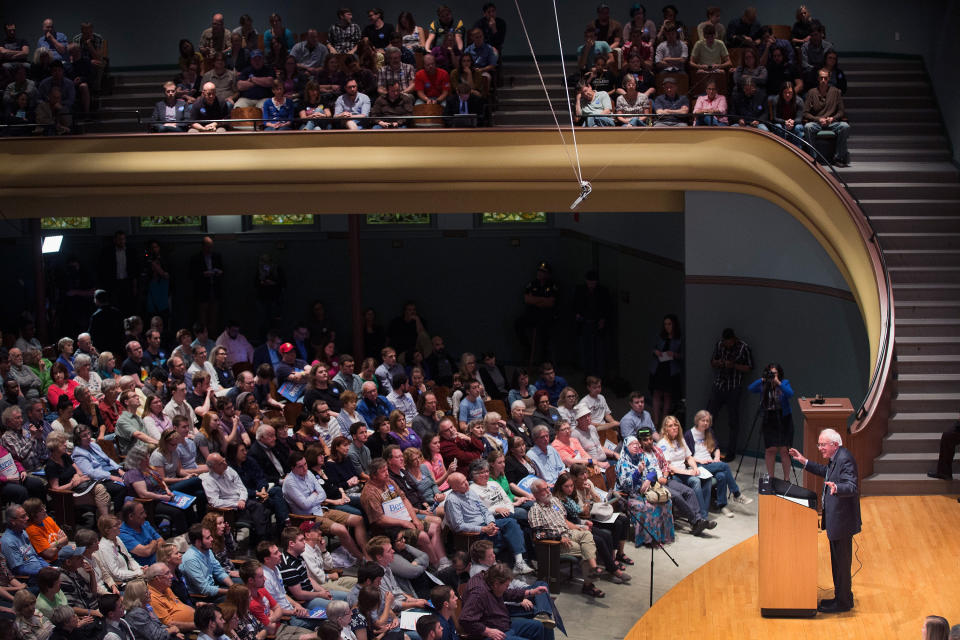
(897, 142)
(911, 383)
(921, 257)
(528, 118)
(922, 274)
(914, 223)
(931, 154)
(925, 128)
(860, 63)
(920, 442)
(935, 402)
(919, 463)
(896, 102)
(912, 206)
(907, 484)
(930, 309)
(913, 171)
(870, 114)
(927, 291)
(865, 87)
(900, 190)
(919, 242)
(943, 363)
(928, 345)
(920, 422)
(908, 327)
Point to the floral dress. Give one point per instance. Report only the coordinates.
(657, 518)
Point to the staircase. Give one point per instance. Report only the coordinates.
(132, 90)
(901, 172)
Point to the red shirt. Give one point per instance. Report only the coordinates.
(109, 414)
(432, 86)
(261, 606)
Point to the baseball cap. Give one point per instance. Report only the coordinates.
(70, 551)
(285, 347)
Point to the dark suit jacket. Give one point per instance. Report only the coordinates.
(474, 105)
(282, 453)
(261, 355)
(841, 512)
(206, 288)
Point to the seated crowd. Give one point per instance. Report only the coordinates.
(347, 77)
(745, 74)
(276, 482)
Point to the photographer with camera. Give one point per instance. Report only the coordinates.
(777, 426)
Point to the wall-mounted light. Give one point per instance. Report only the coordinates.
(51, 244)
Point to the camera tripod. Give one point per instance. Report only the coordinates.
(753, 428)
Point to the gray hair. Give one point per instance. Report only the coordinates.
(86, 537)
(954, 632)
(390, 50)
(517, 404)
(82, 360)
(560, 422)
(492, 416)
(11, 512)
(155, 570)
(337, 608)
(832, 436)
(135, 457)
(84, 335)
(108, 385)
(126, 380)
(61, 615)
(7, 415)
(261, 430)
(537, 430)
(536, 484)
(478, 466)
(55, 439)
(62, 342)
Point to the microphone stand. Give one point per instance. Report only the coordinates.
(653, 546)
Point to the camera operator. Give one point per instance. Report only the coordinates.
(777, 426)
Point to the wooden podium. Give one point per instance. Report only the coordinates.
(788, 554)
(833, 413)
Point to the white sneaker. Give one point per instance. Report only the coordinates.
(521, 568)
(726, 511)
(742, 499)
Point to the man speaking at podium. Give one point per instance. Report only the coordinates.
(841, 513)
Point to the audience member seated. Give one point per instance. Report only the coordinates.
(169, 609)
(130, 428)
(61, 385)
(632, 104)
(270, 453)
(744, 31)
(214, 38)
(431, 84)
(306, 496)
(224, 79)
(200, 566)
(53, 40)
(46, 536)
(400, 434)
(382, 553)
(813, 53)
(713, 17)
(838, 78)
(749, 106)
(670, 14)
(682, 465)
(548, 462)
(750, 67)
(780, 69)
(710, 107)
(278, 111)
(169, 113)
(208, 112)
(188, 83)
(672, 54)
(25, 452)
(14, 51)
(392, 104)
(566, 404)
(62, 473)
(29, 623)
(320, 387)
(408, 486)
(238, 57)
(77, 582)
(139, 614)
(65, 421)
(224, 489)
(703, 443)
(607, 546)
(18, 551)
(569, 448)
(117, 563)
(823, 109)
(344, 34)
(145, 483)
(255, 82)
(642, 467)
(710, 54)
(544, 414)
(28, 382)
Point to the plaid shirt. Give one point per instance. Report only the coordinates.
(344, 38)
(552, 519)
(29, 451)
(727, 379)
(404, 75)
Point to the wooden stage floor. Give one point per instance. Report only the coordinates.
(910, 550)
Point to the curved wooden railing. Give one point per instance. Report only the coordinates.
(465, 171)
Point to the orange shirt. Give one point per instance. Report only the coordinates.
(168, 607)
(43, 536)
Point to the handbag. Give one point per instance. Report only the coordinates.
(601, 510)
(657, 494)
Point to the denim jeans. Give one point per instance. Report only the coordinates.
(511, 533)
(528, 630)
(710, 121)
(541, 604)
(702, 489)
(725, 481)
(599, 121)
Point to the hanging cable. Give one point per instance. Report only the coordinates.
(585, 187)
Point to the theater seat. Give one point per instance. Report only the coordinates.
(239, 113)
(428, 110)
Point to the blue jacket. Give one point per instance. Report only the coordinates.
(383, 408)
(757, 386)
